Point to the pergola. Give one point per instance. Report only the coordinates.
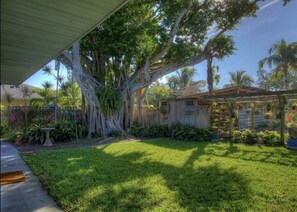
(270, 96)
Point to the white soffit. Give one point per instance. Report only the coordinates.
(33, 32)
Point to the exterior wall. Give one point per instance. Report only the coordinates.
(181, 111)
(245, 119)
(184, 112)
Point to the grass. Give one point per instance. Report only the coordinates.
(167, 175)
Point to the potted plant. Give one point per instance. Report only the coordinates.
(215, 132)
(268, 115)
(292, 129)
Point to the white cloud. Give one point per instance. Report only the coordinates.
(268, 5)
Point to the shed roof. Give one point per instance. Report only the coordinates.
(239, 89)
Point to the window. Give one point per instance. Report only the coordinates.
(189, 103)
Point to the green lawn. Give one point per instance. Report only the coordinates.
(169, 175)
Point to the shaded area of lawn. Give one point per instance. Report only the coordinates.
(171, 175)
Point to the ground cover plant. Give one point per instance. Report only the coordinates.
(169, 175)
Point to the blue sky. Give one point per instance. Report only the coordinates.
(253, 38)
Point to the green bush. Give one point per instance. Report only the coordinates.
(65, 131)
(237, 136)
(249, 136)
(159, 131)
(190, 133)
(137, 130)
(271, 138)
(34, 134)
(153, 131)
(3, 130)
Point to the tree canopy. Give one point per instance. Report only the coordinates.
(145, 40)
(239, 78)
(282, 56)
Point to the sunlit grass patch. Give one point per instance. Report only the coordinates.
(169, 175)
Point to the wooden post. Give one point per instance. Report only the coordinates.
(253, 106)
(229, 106)
(282, 103)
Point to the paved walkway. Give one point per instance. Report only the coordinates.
(23, 196)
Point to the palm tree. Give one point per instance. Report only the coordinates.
(183, 79)
(220, 48)
(239, 78)
(186, 76)
(26, 93)
(281, 55)
(46, 92)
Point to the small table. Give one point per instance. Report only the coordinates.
(48, 141)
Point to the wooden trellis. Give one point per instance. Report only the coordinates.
(270, 96)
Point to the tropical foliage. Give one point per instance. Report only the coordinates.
(156, 92)
(274, 80)
(144, 41)
(282, 56)
(240, 78)
(47, 94)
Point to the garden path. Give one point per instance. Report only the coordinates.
(23, 196)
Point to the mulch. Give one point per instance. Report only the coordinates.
(12, 177)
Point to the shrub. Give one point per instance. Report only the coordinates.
(153, 131)
(237, 136)
(3, 130)
(249, 136)
(271, 138)
(136, 130)
(65, 131)
(190, 133)
(34, 134)
(159, 131)
(81, 130)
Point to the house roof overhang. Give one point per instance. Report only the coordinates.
(35, 32)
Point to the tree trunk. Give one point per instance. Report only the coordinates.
(140, 96)
(209, 75)
(57, 88)
(83, 108)
(126, 115)
(132, 100)
(285, 71)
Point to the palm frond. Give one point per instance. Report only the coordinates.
(47, 70)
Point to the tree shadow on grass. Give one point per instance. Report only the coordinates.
(277, 156)
(109, 182)
(271, 155)
(175, 144)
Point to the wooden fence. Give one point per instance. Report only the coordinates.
(21, 116)
(173, 112)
